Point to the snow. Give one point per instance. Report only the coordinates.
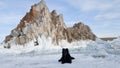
(88, 54)
(51, 61)
(115, 44)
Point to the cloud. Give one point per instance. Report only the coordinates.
(91, 5)
(107, 16)
(56, 5)
(57, 8)
(70, 23)
(10, 18)
(94, 5)
(108, 34)
(98, 11)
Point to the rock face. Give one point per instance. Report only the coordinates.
(81, 31)
(39, 21)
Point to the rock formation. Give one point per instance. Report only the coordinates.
(39, 21)
(81, 31)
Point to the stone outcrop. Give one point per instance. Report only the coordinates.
(40, 21)
(81, 32)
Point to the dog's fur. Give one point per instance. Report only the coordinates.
(66, 58)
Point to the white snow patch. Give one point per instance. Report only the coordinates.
(102, 54)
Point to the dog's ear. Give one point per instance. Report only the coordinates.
(63, 50)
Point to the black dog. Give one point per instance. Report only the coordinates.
(66, 58)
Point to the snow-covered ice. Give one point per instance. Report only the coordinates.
(88, 54)
(50, 61)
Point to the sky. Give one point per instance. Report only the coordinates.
(103, 16)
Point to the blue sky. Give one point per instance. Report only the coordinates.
(103, 16)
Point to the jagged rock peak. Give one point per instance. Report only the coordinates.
(36, 12)
(39, 6)
(39, 21)
(54, 13)
(36, 23)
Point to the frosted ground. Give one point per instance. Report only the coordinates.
(88, 54)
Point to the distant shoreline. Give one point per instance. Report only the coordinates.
(108, 38)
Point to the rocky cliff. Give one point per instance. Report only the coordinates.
(39, 21)
(80, 31)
